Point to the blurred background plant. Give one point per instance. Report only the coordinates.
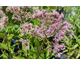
(73, 17)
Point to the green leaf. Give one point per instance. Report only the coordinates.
(18, 57)
(65, 51)
(3, 46)
(47, 53)
(24, 51)
(77, 39)
(10, 36)
(20, 51)
(12, 50)
(71, 53)
(2, 35)
(78, 55)
(76, 46)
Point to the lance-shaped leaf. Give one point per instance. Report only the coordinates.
(3, 46)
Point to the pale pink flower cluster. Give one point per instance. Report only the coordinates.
(39, 31)
(3, 19)
(19, 13)
(25, 43)
(27, 27)
(1, 14)
(55, 24)
(52, 24)
(35, 9)
(58, 48)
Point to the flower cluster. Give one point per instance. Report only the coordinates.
(27, 27)
(25, 43)
(36, 9)
(3, 19)
(52, 24)
(19, 13)
(58, 48)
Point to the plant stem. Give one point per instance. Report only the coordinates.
(38, 54)
(8, 48)
(7, 43)
(27, 54)
(9, 53)
(27, 50)
(41, 49)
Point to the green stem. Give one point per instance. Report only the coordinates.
(8, 48)
(41, 48)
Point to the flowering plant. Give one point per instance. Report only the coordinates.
(32, 33)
